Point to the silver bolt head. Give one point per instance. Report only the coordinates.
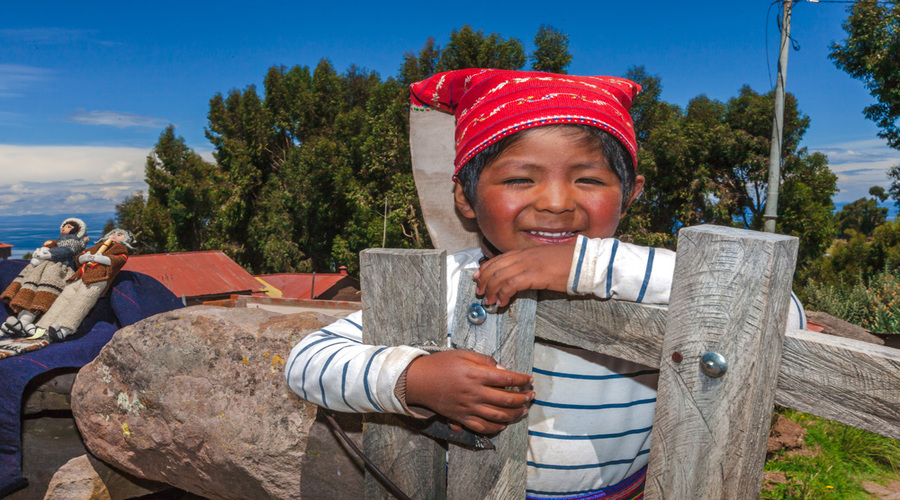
(713, 364)
(476, 314)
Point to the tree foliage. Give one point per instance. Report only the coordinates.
(861, 216)
(708, 163)
(871, 53)
(551, 53)
(468, 48)
(316, 167)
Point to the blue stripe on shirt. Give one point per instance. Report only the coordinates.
(358, 327)
(322, 376)
(589, 437)
(594, 377)
(338, 335)
(291, 368)
(799, 310)
(646, 275)
(344, 386)
(595, 407)
(609, 268)
(309, 360)
(366, 379)
(583, 240)
(587, 466)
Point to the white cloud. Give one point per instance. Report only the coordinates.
(76, 198)
(59, 179)
(117, 119)
(121, 171)
(859, 165)
(16, 78)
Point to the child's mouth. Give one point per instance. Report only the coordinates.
(552, 236)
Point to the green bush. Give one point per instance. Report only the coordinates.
(872, 303)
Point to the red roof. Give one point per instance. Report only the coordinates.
(195, 274)
(302, 285)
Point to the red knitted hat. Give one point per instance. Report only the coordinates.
(490, 104)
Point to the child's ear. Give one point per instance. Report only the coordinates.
(462, 203)
(638, 187)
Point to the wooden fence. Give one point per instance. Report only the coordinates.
(729, 297)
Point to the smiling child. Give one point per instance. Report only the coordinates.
(546, 166)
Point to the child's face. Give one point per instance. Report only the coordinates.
(546, 189)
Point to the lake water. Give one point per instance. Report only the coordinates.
(27, 232)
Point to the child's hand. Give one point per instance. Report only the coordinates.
(469, 388)
(544, 267)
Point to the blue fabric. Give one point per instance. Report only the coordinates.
(133, 297)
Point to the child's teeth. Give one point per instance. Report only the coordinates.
(553, 235)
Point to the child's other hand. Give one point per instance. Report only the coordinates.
(469, 388)
(544, 267)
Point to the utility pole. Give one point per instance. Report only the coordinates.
(778, 124)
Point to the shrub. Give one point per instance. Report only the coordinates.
(872, 303)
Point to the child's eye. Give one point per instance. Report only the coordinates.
(591, 180)
(517, 180)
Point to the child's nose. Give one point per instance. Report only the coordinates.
(555, 198)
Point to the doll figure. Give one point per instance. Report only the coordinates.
(35, 289)
(97, 267)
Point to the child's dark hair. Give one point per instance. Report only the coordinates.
(618, 157)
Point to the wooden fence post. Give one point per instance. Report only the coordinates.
(730, 296)
(509, 338)
(405, 294)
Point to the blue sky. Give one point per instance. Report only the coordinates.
(87, 87)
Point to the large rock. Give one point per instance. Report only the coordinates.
(196, 398)
(840, 328)
(86, 478)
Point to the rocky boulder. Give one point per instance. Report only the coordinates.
(196, 398)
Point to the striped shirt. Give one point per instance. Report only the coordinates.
(589, 426)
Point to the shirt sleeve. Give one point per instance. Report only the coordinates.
(332, 368)
(610, 269)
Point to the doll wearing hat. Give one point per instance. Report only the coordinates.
(546, 166)
(35, 289)
(97, 268)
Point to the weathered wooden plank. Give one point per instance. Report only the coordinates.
(730, 294)
(509, 338)
(405, 295)
(841, 379)
(622, 329)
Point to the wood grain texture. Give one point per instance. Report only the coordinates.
(509, 338)
(843, 380)
(840, 379)
(404, 302)
(622, 329)
(730, 294)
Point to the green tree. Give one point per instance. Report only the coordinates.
(870, 53)
(806, 206)
(468, 48)
(182, 193)
(417, 67)
(708, 163)
(862, 216)
(894, 190)
(130, 216)
(551, 51)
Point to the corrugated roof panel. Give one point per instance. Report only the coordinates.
(195, 274)
(300, 285)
